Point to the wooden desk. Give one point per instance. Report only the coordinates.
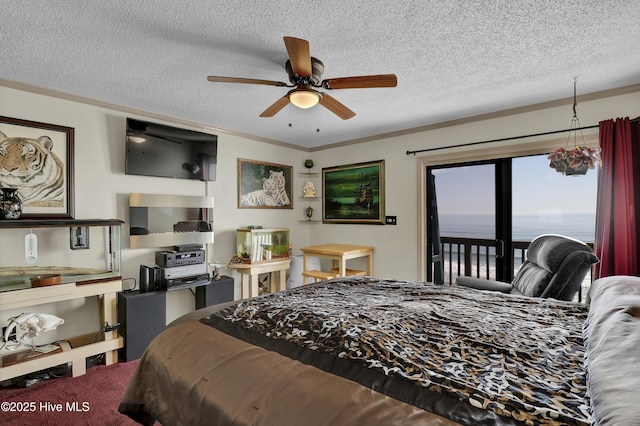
(339, 254)
(250, 288)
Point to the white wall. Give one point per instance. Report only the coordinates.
(101, 188)
(396, 253)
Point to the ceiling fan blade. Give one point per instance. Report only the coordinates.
(299, 56)
(336, 107)
(276, 107)
(217, 79)
(361, 82)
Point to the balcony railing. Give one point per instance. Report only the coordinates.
(476, 257)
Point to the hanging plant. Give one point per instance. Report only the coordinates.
(574, 161)
(578, 160)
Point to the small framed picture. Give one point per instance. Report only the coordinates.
(79, 237)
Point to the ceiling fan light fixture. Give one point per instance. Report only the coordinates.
(305, 73)
(303, 98)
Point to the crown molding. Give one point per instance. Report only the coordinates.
(450, 123)
(127, 110)
(491, 115)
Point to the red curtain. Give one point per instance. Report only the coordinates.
(618, 206)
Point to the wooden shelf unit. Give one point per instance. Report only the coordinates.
(105, 286)
(82, 346)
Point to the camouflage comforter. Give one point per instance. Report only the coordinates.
(471, 356)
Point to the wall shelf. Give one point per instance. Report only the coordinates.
(311, 201)
(158, 220)
(53, 223)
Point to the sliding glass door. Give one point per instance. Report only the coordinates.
(488, 212)
(470, 203)
(545, 201)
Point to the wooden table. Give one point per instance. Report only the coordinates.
(339, 254)
(250, 288)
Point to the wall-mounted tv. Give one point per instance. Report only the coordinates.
(157, 150)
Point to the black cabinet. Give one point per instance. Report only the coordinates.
(218, 291)
(142, 316)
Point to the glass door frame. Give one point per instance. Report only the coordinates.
(502, 214)
(457, 156)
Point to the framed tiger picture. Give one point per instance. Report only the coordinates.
(37, 160)
(264, 185)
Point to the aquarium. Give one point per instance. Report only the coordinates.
(256, 244)
(80, 251)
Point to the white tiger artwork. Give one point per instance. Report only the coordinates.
(30, 166)
(261, 197)
(281, 197)
(272, 194)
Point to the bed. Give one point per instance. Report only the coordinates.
(366, 350)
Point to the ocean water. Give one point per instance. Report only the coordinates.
(525, 227)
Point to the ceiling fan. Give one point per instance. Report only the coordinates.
(304, 74)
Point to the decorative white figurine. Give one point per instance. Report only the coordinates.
(28, 326)
(309, 190)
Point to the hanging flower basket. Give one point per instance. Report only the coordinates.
(576, 171)
(575, 161)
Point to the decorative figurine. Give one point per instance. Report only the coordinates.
(215, 273)
(309, 190)
(10, 204)
(308, 163)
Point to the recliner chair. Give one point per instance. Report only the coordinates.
(555, 267)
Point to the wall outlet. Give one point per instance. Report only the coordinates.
(391, 220)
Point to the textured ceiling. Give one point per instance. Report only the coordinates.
(453, 59)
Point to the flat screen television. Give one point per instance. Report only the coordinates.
(157, 150)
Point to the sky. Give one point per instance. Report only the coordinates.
(537, 189)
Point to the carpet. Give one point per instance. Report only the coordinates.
(90, 399)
